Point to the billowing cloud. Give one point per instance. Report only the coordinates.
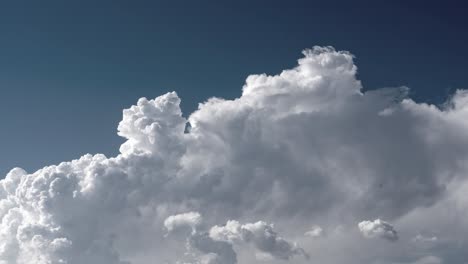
(378, 228)
(304, 146)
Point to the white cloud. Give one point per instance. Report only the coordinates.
(303, 146)
(190, 219)
(378, 228)
(315, 231)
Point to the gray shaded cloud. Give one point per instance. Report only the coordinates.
(261, 234)
(216, 245)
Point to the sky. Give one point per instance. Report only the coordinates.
(233, 133)
(60, 55)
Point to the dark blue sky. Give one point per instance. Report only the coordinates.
(68, 68)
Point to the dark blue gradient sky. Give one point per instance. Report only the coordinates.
(68, 68)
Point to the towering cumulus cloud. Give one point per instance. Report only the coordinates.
(304, 148)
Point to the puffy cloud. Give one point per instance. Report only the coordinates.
(261, 234)
(304, 146)
(315, 231)
(217, 244)
(378, 228)
(199, 241)
(191, 219)
(213, 251)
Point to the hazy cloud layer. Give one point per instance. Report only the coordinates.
(302, 148)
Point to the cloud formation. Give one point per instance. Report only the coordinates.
(304, 146)
(315, 231)
(216, 245)
(190, 219)
(378, 228)
(261, 234)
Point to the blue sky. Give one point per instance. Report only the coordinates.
(68, 68)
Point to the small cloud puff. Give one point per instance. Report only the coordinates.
(191, 220)
(315, 231)
(378, 228)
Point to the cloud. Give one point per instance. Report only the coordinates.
(315, 231)
(261, 234)
(425, 239)
(307, 145)
(378, 228)
(213, 251)
(216, 245)
(190, 219)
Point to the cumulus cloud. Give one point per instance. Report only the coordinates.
(307, 145)
(217, 244)
(199, 241)
(190, 219)
(378, 228)
(261, 234)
